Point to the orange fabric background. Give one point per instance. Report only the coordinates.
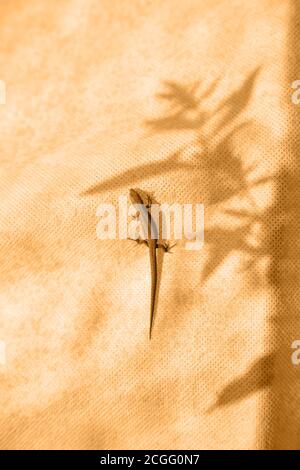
(190, 100)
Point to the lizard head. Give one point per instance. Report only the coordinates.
(137, 196)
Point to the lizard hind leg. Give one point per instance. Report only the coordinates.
(166, 246)
(140, 241)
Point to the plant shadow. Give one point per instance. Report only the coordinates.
(227, 181)
(258, 377)
(225, 176)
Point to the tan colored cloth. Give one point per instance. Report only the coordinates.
(190, 100)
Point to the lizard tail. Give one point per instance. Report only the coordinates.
(153, 302)
(153, 293)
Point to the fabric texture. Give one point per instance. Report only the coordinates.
(190, 100)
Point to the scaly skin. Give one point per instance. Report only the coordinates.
(138, 196)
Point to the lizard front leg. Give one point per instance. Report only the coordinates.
(166, 246)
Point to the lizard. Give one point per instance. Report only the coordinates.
(144, 200)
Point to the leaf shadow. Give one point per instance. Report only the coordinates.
(258, 377)
(214, 165)
(228, 177)
(188, 112)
